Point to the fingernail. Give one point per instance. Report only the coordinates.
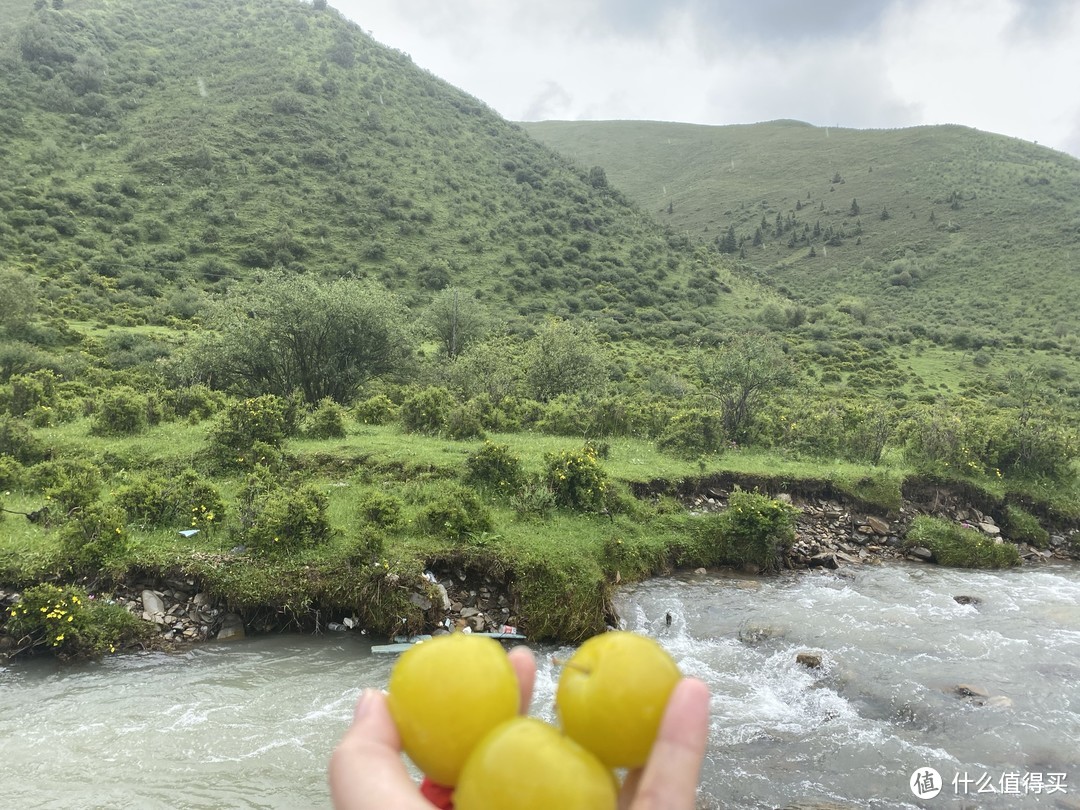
(363, 703)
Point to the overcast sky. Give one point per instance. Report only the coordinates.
(1006, 66)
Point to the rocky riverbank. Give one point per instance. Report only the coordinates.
(830, 534)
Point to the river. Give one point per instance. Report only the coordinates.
(251, 724)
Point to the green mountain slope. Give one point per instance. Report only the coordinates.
(152, 153)
(945, 231)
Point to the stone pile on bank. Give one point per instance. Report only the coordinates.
(467, 599)
(181, 610)
(829, 533)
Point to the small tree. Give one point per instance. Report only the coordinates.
(562, 358)
(740, 374)
(302, 334)
(729, 243)
(456, 319)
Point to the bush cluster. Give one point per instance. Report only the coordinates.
(94, 537)
(121, 411)
(71, 623)
(464, 421)
(426, 410)
(12, 473)
(186, 500)
(68, 484)
(959, 546)
(495, 468)
(691, 433)
(278, 520)
(755, 529)
(379, 509)
(576, 479)
(17, 440)
(456, 514)
(969, 442)
(326, 421)
(243, 426)
(376, 410)
(195, 402)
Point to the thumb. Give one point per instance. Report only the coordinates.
(366, 769)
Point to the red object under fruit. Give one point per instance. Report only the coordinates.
(439, 795)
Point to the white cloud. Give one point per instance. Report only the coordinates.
(999, 65)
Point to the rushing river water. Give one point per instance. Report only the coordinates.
(251, 725)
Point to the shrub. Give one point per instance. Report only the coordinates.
(243, 424)
(455, 514)
(376, 410)
(30, 391)
(95, 537)
(502, 416)
(576, 479)
(464, 422)
(12, 474)
(1024, 527)
(755, 529)
(366, 547)
(327, 421)
(195, 402)
(18, 441)
(691, 433)
(494, 467)
(533, 500)
(185, 500)
(277, 520)
(379, 509)
(121, 412)
(71, 623)
(425, 411)
(959, 546)
(197, 500)
(143, 501)
(69, 484)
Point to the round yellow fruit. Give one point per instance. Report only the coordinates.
(527, 764)
(445, 695)
(612, 694)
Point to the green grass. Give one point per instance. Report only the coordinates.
(959, 546)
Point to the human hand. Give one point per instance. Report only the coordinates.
(366, 769)
(368, 773)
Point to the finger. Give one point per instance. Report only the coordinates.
(524, 663)
(366, 769)
(669, 780)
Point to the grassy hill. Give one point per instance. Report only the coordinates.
(242, 246)
(153, 154)
(964, 237)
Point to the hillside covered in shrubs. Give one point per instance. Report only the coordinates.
(283, 315)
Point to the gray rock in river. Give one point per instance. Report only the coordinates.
(809, 660)
(232, 628)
